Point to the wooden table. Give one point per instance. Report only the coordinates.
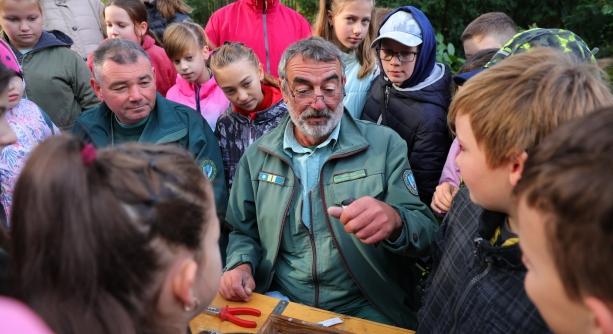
(295, 310)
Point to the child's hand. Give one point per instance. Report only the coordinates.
(237, 284)
(442, 198)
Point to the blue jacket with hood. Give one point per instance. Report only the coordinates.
(417, 110)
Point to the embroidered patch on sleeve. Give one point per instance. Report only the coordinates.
(409, 181)
(209, 169)
(271, 178)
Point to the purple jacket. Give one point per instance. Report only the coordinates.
(212, 101)
(451, 172)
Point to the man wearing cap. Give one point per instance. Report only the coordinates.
(324, 207)
(411, 95)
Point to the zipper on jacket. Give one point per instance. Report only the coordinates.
(336, 243)
(266, 46)
(473, 281)
(285, 214)
(314, 264)
(198, 98)
(251, 131)
(386, 98)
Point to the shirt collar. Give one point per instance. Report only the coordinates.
(291, 145)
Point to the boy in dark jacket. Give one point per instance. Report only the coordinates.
(477, 285)
(412, 93)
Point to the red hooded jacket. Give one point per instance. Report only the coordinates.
(266, 26)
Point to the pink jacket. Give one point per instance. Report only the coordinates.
(212, 100)
(165, 71)
(266, 26)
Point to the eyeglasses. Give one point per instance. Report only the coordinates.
(403, 56)
(307, 96)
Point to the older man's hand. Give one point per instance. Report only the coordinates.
(237, 284)
(369, 219)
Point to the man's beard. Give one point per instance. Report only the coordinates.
(317, 131)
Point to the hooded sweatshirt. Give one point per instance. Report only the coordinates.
(417, 110)
(207, 98)
(57, 77)
(266, 26)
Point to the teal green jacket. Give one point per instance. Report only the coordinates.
(168, 123)
(367, 160)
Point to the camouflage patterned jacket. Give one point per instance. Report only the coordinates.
(235, 132)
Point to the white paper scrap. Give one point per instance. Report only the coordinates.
(331, 322)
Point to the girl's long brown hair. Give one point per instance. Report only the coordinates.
(170, 8)
(92, 241)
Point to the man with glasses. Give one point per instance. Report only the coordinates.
(412, 94)
(324, 207)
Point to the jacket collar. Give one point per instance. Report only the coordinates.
(506, 256)
(261, 5)
(163, 126)
(47, 39)
(189, 89)
(147, 42)
(350, 138)
(263, 116)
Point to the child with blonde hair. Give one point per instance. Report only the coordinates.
(349, 24)
(57, 77)
(195, 86)
(256, 102)
(500, 116)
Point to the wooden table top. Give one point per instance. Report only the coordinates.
(266, 304)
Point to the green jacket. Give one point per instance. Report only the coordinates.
(57, 78)
(168, 122)
(367, 160)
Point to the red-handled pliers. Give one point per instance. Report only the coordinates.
(228, 313)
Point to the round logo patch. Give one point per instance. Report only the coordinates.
(209, 169)
(409, 182)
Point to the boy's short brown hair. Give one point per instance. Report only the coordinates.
(498, 24)
(569, 179)
(514, 104)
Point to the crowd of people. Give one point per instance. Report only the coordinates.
(149, 163)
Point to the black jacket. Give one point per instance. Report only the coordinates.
(476, 287)
(420, 118)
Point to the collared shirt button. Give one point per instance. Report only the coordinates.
(75, 28)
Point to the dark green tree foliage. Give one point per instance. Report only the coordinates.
(592, 20)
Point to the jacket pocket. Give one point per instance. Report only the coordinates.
(356, 186)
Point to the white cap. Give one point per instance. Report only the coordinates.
(402, 28)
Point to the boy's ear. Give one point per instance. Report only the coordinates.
(517, 168)
(603, 315)
(183, 283)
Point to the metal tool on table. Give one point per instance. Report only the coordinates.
(228, 313)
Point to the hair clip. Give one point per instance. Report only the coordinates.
(88, 154)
